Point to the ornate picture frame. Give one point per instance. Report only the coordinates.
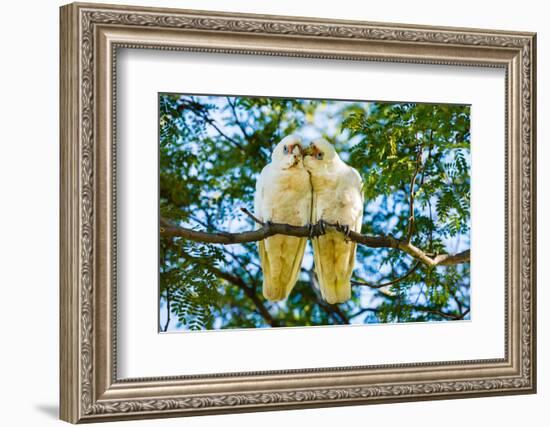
(90, 37)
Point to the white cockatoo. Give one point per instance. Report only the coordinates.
(283, 195)
(337, 199)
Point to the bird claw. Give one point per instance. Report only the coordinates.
(322, 226)
(347, 234)
(344, 229)
(316, 230)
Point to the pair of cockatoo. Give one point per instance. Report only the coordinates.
(301, 186)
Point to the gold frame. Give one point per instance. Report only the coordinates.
(90, 36)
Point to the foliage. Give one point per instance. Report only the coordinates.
(211, 152)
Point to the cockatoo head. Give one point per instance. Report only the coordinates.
(319, 154)
(288, 153)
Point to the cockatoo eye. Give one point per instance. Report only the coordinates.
(285, 149)
(320, 155)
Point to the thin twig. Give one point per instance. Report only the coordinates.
(248, 290)
(256, 220)
(422, 309)
(363, 311)
(463, 315)
(391, 282)
(167, 309)
(199, 110)
(410, 228)
(236, 117)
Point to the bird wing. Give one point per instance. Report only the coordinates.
(296, 258)
(358, 200)
(334, 257)
(280, 256)
(315, 243)
(358, 203)
(324, 251)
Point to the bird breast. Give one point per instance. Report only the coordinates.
(290, 201)
(335, 199)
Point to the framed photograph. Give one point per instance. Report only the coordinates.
(266, 212)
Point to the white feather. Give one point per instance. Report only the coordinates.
(283, 195)
(337, 198)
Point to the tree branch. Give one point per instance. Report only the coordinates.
(437, 260)
(419, 308)
(199, 110)
(167, 310)
(249, 291)
(363, 311)
(391, 282)
(236, 117)
(256, 220)
(410, 228)
(396, 301)
(271, 229)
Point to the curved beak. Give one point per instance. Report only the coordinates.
(308, 151)
(295, 149)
